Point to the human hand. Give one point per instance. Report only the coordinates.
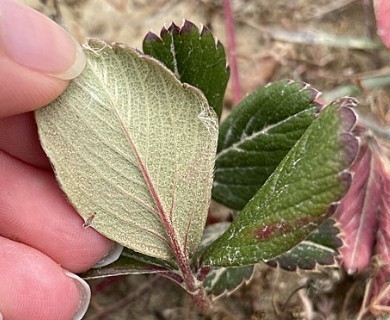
(42, 239)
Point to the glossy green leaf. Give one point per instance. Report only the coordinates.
(195, 58)
(319, 248)
(134, 150)
(298, 196)
(130, 262)
(256, 137)
(223, 281)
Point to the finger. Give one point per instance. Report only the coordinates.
(35, 287)
(37, 57)
(34, 211)
(19, 138)
(382, 12)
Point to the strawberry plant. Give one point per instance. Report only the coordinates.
(139, 148)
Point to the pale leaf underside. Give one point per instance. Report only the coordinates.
(134, 150)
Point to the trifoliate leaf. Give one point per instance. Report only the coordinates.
(256, 137)
(298, 196)
(134, 150)
(195, 58)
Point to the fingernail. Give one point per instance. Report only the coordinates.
(85, 295)
(34, 41)
(111, 256)
(1, 316)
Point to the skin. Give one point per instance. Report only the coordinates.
(382, 11)
(41, 236)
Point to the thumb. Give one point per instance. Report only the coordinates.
(37, 59)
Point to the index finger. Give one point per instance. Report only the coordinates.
(37, 58)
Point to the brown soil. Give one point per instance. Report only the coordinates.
(263, 55)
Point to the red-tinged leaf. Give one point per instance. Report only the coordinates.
(319, 248)
(301, 193)
(382, 12)
(380, 294)
(358, 211)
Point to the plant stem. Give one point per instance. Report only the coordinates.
(191, 284)
(202, 301)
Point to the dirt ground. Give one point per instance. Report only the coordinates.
(275, 40)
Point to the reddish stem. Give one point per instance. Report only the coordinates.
(231, 48)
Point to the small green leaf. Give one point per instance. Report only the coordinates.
(130, 262)
(319, 248)
(298, 196)
(223, 281)
(195, 58)
(134, 149)
(256, 137)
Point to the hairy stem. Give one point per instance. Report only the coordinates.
(202, 301)
(191, 284)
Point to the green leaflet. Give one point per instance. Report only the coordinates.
(130, 262)
(134, 150)
(256, 137)
(297, 197)
(221, 281)
(319, 248)
(195, 58)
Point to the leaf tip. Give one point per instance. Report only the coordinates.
(164, 31)
(189, 27)
(151, 37)
(173, 29)
(312, 94)
(349, 141)
(205, 31)
(348, 116)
